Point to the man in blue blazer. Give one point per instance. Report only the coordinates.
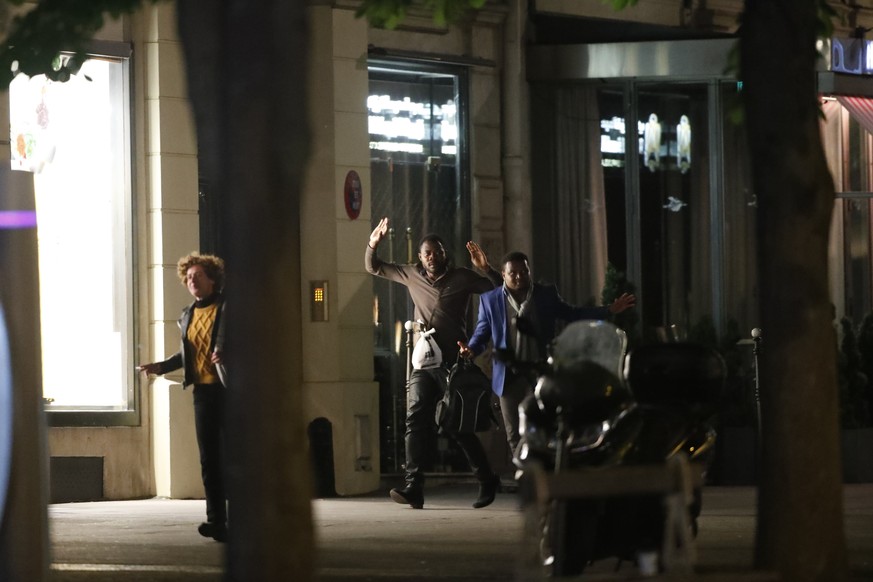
(543, 307)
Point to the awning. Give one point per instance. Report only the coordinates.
(860, 108)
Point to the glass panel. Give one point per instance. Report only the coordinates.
(74, 135)
(856, 223)
(578, 143)
(673, 145)
(413, 145)
(613, 145)
(739, 216)
(857, 233)
(415, 126)
(854, 179)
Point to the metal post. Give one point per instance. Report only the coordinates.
(390, 324)
(391, 244)
(408, 326)
(756, 351)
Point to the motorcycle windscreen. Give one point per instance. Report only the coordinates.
(588, 341)
(588, 393)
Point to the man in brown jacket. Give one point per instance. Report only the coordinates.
(441, 295)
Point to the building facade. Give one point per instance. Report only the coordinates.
(550, 126)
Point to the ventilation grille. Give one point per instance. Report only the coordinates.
(76, 479)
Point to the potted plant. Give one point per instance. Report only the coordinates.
(615, 283)
(855, 369)
(735, 461)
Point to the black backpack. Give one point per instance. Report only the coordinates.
(466, 404)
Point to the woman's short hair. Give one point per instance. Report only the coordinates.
(213, 267)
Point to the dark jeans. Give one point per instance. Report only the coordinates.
(426, 387)
(209, 423)
(515, 390)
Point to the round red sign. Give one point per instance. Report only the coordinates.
(354, 194)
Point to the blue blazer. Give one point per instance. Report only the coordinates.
(493, 324)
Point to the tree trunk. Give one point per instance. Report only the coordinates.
(800, 529)
(24, 531)
(246, 73)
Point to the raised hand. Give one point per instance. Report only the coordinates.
(477, 256)
(378, 233)
(625, 301)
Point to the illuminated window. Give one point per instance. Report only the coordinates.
(403, 125)
(656, 141)
(74, 137)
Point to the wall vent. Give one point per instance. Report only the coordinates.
(75, 479)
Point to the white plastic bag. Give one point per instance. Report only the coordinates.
(427, 353)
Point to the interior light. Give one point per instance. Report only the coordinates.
(405, 125)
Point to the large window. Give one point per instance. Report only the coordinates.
(74, 137)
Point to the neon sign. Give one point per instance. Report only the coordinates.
(851, 55)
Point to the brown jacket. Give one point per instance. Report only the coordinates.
(442, 304)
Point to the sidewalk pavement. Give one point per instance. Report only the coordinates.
(370, 538)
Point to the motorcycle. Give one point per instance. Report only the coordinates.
(597, 406)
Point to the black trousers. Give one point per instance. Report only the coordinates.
(209, 419)
(426, 387)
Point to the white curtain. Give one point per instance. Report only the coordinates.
(579, 207)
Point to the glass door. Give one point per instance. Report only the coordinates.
(417, 164)
(674, 205)
(655, 151)
(653, 177)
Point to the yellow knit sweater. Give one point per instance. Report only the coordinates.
(200, 337)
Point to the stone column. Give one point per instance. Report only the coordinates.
(173, 231)
(338, 353)
(24, 544)
(516, 132)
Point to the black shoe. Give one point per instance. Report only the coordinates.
(409, 494)
(487, 491)
(216, 531)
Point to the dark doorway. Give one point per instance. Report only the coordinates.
(320, 434)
